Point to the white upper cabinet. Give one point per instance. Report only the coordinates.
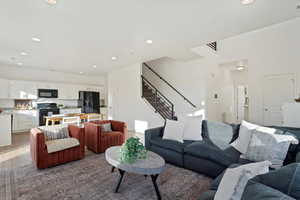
(66, 91)
(22, 90)
(4, 89)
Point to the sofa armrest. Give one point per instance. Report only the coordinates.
(38, 147)
(78, 133)
(150, 133)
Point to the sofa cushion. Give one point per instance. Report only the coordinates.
(208, 195)
(258, 191)
(205, 150)
(55, 132)
(169, 144)
(61, 144)
(285, 179)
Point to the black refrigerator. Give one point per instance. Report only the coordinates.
(89, 102)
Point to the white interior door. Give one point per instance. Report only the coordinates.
(278, 89)
(240, 103)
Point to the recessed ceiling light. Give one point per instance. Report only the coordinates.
(23, 53)
(19, 63)
(80, 72)
(51, 2)
(94, 66)
(247, 2)
(240, 68)
(149, 41)
(114, 58)
(35, 39)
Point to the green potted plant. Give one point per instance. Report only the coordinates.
(132, 150)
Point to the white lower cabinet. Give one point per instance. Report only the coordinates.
(5, 130)
(24, 120)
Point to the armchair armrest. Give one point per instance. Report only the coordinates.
(78, 133)
(150, 133)
(119, 126)
(38, 147)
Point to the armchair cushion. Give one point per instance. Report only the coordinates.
(61, 144)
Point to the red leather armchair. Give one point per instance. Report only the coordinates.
(43, 159)
(98, 142)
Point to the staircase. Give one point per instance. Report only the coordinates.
(156, 99)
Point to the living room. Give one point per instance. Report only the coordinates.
(201, 90)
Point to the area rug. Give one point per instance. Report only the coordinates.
(91, 179)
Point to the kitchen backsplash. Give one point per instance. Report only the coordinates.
(7, 103)
(10, 103)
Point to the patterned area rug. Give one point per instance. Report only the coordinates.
(91, 179)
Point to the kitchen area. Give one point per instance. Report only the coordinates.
(27, 104)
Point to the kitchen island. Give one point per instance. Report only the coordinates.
(5, 129)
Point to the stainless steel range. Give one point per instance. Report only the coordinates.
(46, 109)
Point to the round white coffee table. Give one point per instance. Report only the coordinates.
(153, 165)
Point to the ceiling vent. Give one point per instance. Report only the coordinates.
(213, 45)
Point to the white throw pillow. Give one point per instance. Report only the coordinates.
(173, 130)
(192, 128)
(235, 180)
(242, 142)
(266, 145)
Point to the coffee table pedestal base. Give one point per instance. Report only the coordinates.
(153, 178)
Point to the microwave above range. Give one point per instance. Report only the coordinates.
(47, 93)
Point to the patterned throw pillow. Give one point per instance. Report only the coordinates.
(235, 180)
(265, 144)
(106, 127)
(55, 132)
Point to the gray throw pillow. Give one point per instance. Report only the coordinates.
(55, 132)
(106, 127)
(220, 134)
(265, 144)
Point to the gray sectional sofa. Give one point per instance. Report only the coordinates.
(281, 184)
(213, 154)
(201, 156)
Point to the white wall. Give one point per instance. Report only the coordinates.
(191, 78)
(125, 102)
(269, 51)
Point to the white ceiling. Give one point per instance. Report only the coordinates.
(76, 34)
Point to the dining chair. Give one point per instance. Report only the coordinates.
(71, 120)
(94, 117)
